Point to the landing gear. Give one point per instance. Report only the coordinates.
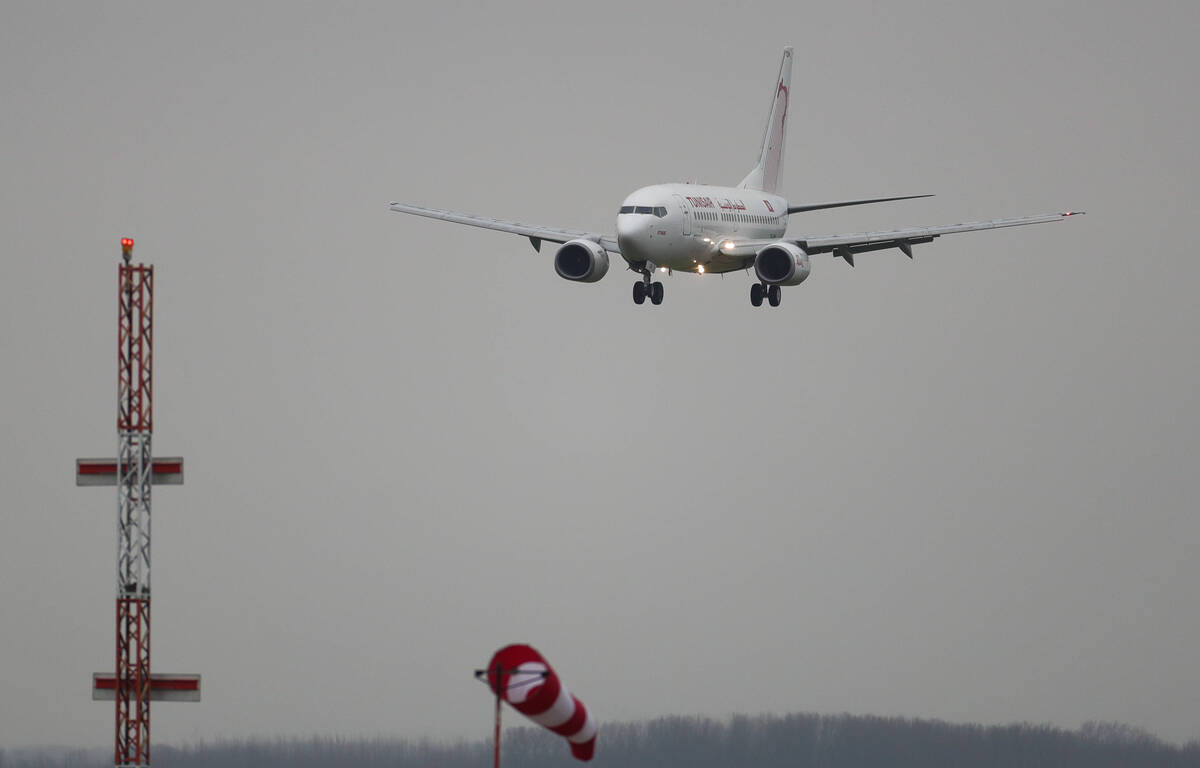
(656, 293)
(772, 293)
(756, 294)
(644, 289)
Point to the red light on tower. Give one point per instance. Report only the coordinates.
(127, 248)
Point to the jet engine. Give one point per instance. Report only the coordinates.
(581, 260)
(781, 263)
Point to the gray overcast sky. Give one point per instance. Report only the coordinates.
(961, 487)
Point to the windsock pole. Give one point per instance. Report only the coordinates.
(482, 676)
(496, 749)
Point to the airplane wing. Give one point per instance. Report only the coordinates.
(535, 233)
(846, 246)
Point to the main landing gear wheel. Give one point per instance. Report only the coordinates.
(639, 292)
(772, 293)
(656, 293)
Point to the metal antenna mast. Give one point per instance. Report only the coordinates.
(135, 423)
(133, 472)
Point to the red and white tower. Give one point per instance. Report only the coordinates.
(135, 423)
(134, 472)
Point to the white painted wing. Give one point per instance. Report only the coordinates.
(914, 233)
(535, 233)
(738, 253)
(845, 246)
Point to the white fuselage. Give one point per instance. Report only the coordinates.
(682, 226)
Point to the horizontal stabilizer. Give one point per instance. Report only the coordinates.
(843, 203)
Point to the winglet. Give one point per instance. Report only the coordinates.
(1065, 214)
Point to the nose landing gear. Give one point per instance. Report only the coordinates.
(644, 288)
(772, 293)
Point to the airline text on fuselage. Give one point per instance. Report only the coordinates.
(725, 204)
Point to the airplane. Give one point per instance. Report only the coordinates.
(703, 229)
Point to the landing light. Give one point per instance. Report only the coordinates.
(662, 269)
(727, 245)
(700, 269)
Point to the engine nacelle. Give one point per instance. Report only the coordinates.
(581, 260)
(781, 263)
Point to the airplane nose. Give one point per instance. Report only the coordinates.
(631, 225)
(633, 235)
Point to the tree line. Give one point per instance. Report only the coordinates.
(765, 741)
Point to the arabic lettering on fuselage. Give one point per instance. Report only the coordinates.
(726, 204)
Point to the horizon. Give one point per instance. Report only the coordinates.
(1085, 729)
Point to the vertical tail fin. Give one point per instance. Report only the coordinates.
(765, 175)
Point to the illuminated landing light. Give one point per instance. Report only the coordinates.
(662, 269)
(700, 269)
(727, 245)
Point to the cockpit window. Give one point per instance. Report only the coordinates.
(658, 211)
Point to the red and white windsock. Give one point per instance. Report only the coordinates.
(520, 676)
